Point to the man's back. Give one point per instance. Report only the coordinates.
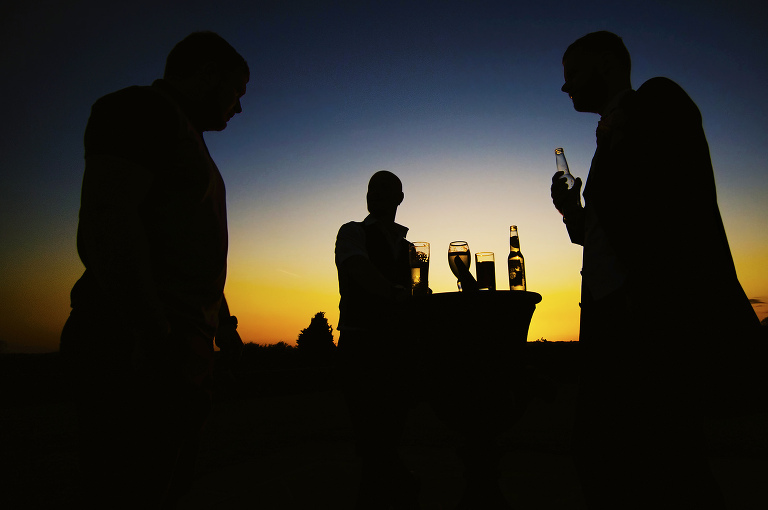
(140, 136)
(652, 188)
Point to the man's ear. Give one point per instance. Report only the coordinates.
(402, 196)
(611, 66)
(209, 75)
(606, 63)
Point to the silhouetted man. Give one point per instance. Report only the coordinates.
(661, 306)
(374, 273)
(153, 239)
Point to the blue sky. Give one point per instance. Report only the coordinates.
(460, 99)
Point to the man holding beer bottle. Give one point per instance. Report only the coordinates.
(653, 239)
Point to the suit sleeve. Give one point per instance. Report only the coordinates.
(576, 227)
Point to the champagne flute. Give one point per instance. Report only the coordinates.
(458, 249)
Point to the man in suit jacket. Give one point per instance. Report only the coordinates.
(661, 305)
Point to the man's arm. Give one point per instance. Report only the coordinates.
(361, 270)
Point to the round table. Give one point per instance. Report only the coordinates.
(469, 349)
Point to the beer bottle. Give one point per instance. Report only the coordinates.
(515, 261)
(562, 166)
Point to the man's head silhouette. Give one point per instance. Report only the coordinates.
(385, 194)
(596, 67)
(212, 75)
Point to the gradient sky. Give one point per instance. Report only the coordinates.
(460, 99)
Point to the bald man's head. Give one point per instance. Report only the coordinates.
(385, 193)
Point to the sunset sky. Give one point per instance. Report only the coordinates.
(461, 100)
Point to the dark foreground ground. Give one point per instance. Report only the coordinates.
(286, 443)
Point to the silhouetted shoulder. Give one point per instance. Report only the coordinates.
(134, 123)
(665, 97)
(350, 241)
(350, 228)
(135, 94)
(133, 105)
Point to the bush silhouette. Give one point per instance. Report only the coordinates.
(268, 356)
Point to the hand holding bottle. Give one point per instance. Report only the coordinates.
(565, 190)
(566, 200)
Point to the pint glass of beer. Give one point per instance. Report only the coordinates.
(486, 270)
(419, 260)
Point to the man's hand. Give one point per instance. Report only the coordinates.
(229, 342)
(231, 346)
(567, 201)
(400, 294)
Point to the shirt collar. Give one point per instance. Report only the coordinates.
(397, 229)
(614, 103)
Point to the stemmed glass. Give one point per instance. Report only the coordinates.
(458, 249)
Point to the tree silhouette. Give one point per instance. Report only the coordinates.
(318, 337)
